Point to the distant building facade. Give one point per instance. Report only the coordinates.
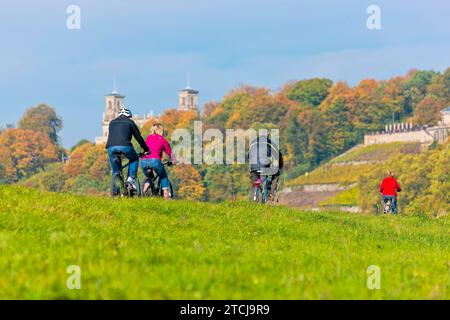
(187, 101)
(407, 132)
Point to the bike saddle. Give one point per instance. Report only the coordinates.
(150, 171)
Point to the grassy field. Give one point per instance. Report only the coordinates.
(378, 152)
(332, 174)
(342, 171)
(150, 249)
(348, 197)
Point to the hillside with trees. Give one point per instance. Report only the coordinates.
(318, 120)
(353, 179)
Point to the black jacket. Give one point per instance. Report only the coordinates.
(265, 155)
(121, 131)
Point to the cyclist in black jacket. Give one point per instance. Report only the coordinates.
(265, 159)
(121, 131)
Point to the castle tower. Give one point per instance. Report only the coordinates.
(113, 103)
(188, 99)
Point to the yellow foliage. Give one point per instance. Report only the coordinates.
(189, 181)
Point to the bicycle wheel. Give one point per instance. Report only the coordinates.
(138, 191)
(276, 194)
(265, 191)
(117, 186)
(131, 191)
(256, 194)
(150, 192)
(170, 190)
(160, 191)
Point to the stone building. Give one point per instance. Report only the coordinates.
(406, 132)
(187, 101)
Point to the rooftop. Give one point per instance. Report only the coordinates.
(189, 90)
(115, 94)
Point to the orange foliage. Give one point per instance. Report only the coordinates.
(367, 87)
(24, 152)
(340, 90)
(172, 119)
(393, 88)
(88, 159)
(428, 111)
(190, 183)
(209, 108)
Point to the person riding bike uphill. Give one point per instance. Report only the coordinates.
(265, 159)
(121, 131)
(157, 144)
(389, 188)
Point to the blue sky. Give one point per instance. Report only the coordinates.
(150, 46)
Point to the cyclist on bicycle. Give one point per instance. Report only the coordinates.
(265, 159)
(157, 144)
(121, 131)
(389, 188)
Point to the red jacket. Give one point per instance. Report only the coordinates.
(389, 187)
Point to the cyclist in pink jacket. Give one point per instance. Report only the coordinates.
(158, 145)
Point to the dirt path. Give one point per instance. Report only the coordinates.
(305, 199)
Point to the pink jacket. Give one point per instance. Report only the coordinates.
(157, 144)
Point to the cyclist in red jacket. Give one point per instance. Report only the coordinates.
(389, 188)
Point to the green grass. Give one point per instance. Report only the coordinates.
(377, 152)
(151, 249)
(332, 174)
(348, 197)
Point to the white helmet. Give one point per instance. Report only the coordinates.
(125, 112)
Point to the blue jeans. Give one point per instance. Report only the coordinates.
(158, 167)
(393, 201)
(130, 154)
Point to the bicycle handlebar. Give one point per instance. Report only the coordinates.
(168, 163)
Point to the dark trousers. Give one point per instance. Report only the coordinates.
(273, 180)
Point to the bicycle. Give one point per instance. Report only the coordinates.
(119, 186)
(261, 189)
(154, 189)
(388, 206)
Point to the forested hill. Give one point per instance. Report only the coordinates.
(351, 181)
(318, 120)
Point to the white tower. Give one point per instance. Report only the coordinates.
(188, 98)
(113, 103)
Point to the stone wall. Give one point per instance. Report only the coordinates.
(408, 136)
(424, 136)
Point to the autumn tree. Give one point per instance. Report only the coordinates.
(52, 179)
(415, 89)
(80, 143)
(171, 119)
(209, 108)
(3, 178)
(188, 182)
(226, 182)
(87, 170)
(88, 159)
(311, 92)
(43, 119)
(295, 142)
(428, 111)
(24, 152)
